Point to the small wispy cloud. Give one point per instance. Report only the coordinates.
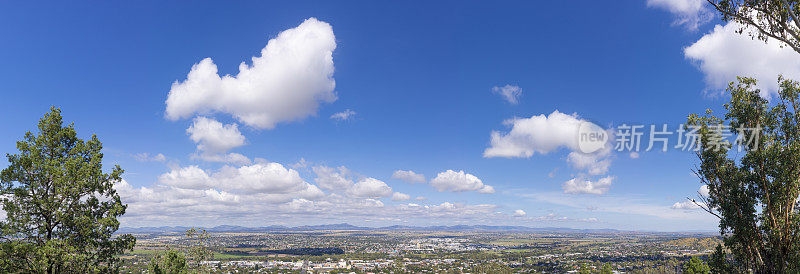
(345, 115)
(688, 13)
(146, 157)
(510, 93)
(408, 176)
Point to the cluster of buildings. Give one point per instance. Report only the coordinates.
(301, 265)
(443, 244)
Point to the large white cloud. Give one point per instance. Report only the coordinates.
(261, 178)
(723, 54)
(543, 134)
(408, 176)
(190, 177)
(460, 181)
(370, 188)
(538, 134)
(584, 186)
(690, 13)
(293, 75)
(272, 178)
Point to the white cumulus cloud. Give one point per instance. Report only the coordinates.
(408, 176)
(543, 134)
(190, 177)
(519, 213)
(271, 178)
(460, 181)
(723, 54)
(584, 186)
(370, 188)
(334, 179)
(293, 75)
(262, 178)
(213, 137)
(538, 134)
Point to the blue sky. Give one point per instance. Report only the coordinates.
(419, 78)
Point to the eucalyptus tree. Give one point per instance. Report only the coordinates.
(753, 189)
(753, 183)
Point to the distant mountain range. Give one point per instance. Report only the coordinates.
(345, 226)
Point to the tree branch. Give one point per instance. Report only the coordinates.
(752, 23)
(705, 208)
(791, 13)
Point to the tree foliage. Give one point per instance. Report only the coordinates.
(197, 249)
(777, 19)
(696, 266)
(753, 188)
(755, 196)
(61, 208)
(170, 262)
(186, 257)
(718, 262)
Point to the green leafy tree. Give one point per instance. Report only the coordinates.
(719, 261)
(197, 249)
(183, 258)
(754, 191)
(170, 262)
(584, 269)
(696, 266)
(61, 208)
(606, 269)
(492, 267)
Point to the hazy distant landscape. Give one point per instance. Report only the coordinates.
(484, 249)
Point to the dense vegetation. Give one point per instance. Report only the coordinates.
(61, 208)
